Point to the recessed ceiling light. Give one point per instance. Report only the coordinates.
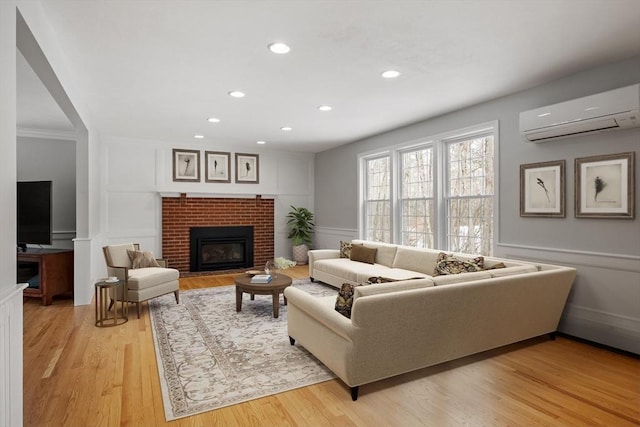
(261, 142)
(213, 120)
(286, 128)
(236, 94)
(279, 48)
(325, 108)
(198, 136)
(390, 74)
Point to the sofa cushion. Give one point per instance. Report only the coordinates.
(448, 279)
(363, 254)
(142, 278)
(493, 265)
(142, 259)
(386, 251)
(396, 286)
(449, 264)
(357, 272)
(345, 249)
(520, 269)
(420, 260)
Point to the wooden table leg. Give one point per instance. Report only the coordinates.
(238, 299)
(276, 303)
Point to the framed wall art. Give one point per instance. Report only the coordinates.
(247, 168)
(542, 189)
(605, 186)
(186, 165)
(217, 166)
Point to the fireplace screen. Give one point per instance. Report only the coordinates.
(221, 248)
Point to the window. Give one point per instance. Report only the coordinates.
(470, 195)
(416, 198)
(378, 199)
(434, 194)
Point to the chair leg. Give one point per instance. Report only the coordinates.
(177, 294)
(138, 309)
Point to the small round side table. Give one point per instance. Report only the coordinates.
(102, 304)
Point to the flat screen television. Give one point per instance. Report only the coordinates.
(34, 219)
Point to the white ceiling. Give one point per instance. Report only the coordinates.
(157, 69)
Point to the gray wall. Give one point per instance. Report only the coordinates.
(42, 159)
(604, 305)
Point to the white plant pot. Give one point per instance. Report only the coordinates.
(300, 255)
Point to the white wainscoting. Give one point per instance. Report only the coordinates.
(329, 237)
(604, 303)
(11, 356)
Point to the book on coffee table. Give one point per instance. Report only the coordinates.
(261, 278)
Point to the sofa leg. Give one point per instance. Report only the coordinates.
(354, 393)
(177, 295)
(553, 335)
(138, 309)
(292, 340)
(312, 279)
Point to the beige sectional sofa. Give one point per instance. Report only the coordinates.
(406, 325)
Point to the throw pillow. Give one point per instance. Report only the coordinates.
(449, 264)
(345, 249)
(344, 301)
(380, 279)
(142, 259)
(363, 254)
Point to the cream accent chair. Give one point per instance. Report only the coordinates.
(142, 283)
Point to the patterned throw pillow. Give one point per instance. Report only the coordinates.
(448, 264)
(142, 259)
(344, 301)
(345, 249)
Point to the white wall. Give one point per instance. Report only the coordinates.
(46, 159)
(136, 172)
(39, 45)
(604, 305)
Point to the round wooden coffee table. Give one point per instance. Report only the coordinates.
(274, 288)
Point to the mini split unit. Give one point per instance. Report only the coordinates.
(611, 110)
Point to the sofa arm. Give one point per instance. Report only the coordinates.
(312, 307)
(318, 254)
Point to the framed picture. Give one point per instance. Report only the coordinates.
(605, 186)
(247, 168)
(542, 188)
(217, 166)
(186, 165)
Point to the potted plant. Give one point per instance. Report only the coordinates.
(300, 223)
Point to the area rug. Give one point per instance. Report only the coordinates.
(209, 356)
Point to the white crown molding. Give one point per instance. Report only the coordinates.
(46, 134)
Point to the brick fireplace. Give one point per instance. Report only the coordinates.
(180, 214)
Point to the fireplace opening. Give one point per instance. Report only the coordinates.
(220, 248)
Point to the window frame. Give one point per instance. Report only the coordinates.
(439, 144)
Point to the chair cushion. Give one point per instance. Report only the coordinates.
(142, 278)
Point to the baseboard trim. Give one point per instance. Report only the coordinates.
(599, 345)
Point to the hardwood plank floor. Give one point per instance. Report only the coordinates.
(76, 374)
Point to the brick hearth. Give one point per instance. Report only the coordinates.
(180, 213)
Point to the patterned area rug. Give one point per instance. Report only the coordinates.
(209, 356)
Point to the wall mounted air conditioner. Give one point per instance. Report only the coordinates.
(614, 109)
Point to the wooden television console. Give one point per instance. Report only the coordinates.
(54, 268)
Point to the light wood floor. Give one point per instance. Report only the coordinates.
(76, 374)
